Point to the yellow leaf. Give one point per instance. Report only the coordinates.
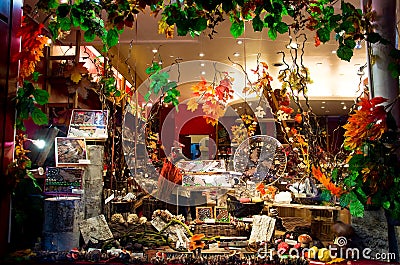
(76, 77)
(192, 104)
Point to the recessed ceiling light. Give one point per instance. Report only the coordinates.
(154, 50)
(344, 107)
(322, 107)
(235, 110)
(327, 111)
(236, 54)
(240, 107)
(171, 56)
(203, 72)
(323, 102)
(201, 54)
(239, 42)
(202, 64)
(334, 52)
(342, 103)
(160, 62)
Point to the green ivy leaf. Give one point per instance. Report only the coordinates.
(282, 28)
(324, 34)
(65, 24)
(63, 10)
(39, 117)
(350, 43)
(356, 208)
(345, 199)
(373, 37)
(394, 69)
(272, 34)
(257, 23)
(147, 96)
(117, 93)
(237, 28)
(334, 174)
(326, 195)
(89, 36)
(200, 24)
(41, 96)
(345, 53)
(386, 205)
(35, 76)
(112, 38)
(53, 27)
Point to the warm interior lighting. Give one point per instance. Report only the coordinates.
(38, 143)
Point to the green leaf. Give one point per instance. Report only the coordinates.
(39, 117)
(63, 10)
(394, 69)
(147, 96)
(345, 199)
(324, 34)
(361, 194)
(326, 195)
(272, 34)
(35, 76)
(258, 25)
(200, 24)
(117, 93)
(53, 27)
(112, 38)
(350, 43)
(89, 36)
(386, 205)
(334, 174)
(373, 37)
(65, 24)
(282, 28)
(237, 28)
(344, 53)
(356, 208)
(41, 96)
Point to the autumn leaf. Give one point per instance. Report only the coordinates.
(75, 71)
(298, 118)
(164, 28)
(192, 104)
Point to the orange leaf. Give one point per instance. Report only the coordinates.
(192, 104)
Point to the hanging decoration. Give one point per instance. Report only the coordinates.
(213, 97)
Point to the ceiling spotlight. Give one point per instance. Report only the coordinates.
(154, 50)
(203, 72)
(323, 102)
(334, 52)
(239, 42)
(344, 107)
(342, 103)
(322, 107)
(160, 62)
(236, 54)
(202, 64)
(327, 111)
(201, 54)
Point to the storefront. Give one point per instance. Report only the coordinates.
(256, 132)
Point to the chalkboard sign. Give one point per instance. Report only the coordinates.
(62, 181)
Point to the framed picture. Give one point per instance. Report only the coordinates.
(59, 113)
(221, 214)
(89, 124)
(62, 180)
(203, 213)
(70, 152)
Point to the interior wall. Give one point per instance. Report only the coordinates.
(10, 19)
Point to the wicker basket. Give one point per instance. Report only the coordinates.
(238, 209)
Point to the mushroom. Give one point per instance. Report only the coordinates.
(304, 240)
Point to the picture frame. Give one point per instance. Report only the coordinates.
(70, 151)
(221, 214)
(89, 124)
(203, 213)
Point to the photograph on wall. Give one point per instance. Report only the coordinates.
(89, 124)
(70, 151)
(221, 214)
(203, 213)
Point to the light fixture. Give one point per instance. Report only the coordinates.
(322, 107)
(202, 64)
(236, 54)
(203, 72)
(239, 42)
(38, 143)
(344, 107)
(201, 54)
(323, 102)
(160, 62)
(154, 50)
(334, 51)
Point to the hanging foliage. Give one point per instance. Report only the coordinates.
(213, 97)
